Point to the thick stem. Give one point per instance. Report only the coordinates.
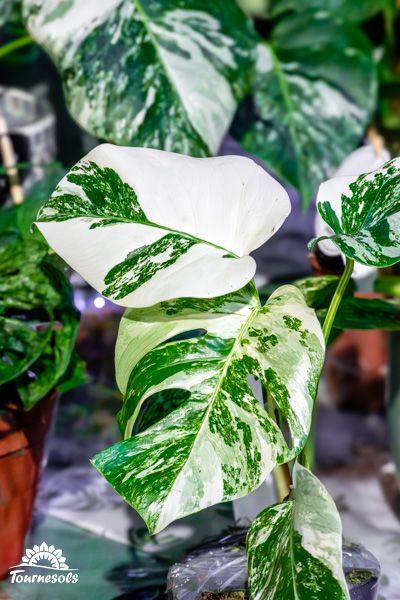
(307, 457)
(281, 473)
(26, 40)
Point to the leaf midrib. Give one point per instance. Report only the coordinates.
(146, 223)
(244, 327)
(285, 91)
(146, 24)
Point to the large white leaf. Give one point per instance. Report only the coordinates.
(143, 226)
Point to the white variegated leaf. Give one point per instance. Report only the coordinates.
(294, 548)
(364, 215)
(360, 161)
(162, 74)
(218, 442)
(143, 226)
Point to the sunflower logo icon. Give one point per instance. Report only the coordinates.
(47, 557)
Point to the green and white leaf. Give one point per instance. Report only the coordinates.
(294, 548)
(143, 226)
(314, 91)
(364, 214)
(218, 443)
(164, 74)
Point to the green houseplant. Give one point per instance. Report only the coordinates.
(169, 237)
(38, 325)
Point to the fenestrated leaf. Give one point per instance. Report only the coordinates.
(314, 91)
(294, 548)
(345, 9)
(219, 443)
(364, 214)
(143, 226)
(162, 74)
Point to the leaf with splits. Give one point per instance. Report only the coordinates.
(217, 443)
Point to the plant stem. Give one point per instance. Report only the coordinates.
(337, 298)
(281, 473)
(307, 457)
(26, 40)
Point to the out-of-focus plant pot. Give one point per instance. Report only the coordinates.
(218, 571)
(22, 441)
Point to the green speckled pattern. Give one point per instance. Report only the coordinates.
(366, 222)
(314, 91)
(295, 548)
(219, 443)
(158, 73)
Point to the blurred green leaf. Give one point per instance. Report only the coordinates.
(346, 9)
(314, 92)
(354, 312)
(39, 193)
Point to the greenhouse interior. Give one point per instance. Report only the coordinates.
(199, 300)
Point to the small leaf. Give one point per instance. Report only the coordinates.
(295, 548)
(314, 91)
(143, 226)
(364, 214)
(162, 74)
(216, 442)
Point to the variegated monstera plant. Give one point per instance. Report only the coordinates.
(169, 237)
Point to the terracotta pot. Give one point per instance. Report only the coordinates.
(22, 441)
